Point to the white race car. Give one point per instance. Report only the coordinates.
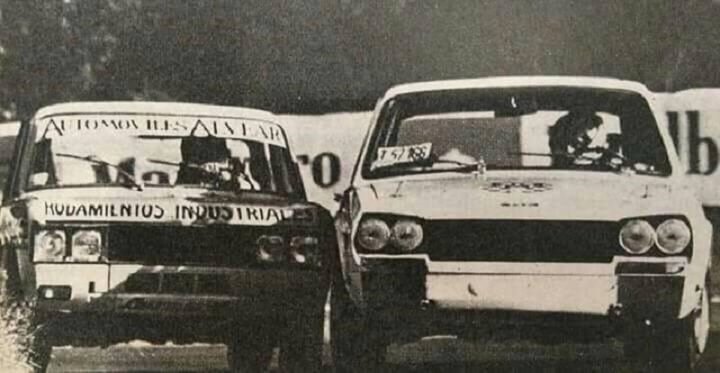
(165, 222)
(550, 208)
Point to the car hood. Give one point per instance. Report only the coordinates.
(560, 196)
(180, 205)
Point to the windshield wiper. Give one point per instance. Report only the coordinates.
(94, 159)
(479, 167)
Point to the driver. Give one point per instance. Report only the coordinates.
(208, 160)
(571, 135)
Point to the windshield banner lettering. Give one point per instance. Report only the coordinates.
(185, 213)
(174, 127)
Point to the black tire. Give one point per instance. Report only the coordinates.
(301, 347)
(12, 286)
(676, 346)
(40, 348)
(357, 346)
(250, 351)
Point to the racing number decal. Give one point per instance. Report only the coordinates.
(325, 168)
(390, 155)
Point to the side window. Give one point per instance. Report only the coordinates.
(42, 169)
(15, 173)
(287, 178)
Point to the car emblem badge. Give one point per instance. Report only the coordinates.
(515, 186)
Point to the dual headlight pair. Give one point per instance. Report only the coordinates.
(298, 250)
(637, 236)
(51, 245)
(672, 236)
(401, 235)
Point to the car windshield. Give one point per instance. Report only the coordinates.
(555, 128)
(153, 150)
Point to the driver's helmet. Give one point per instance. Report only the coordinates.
(573, 129)
(200, 150)
(580, 120)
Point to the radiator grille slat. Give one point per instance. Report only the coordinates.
(521, 241)
(226, 245)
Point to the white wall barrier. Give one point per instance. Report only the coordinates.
(693, 118)
(326, 147)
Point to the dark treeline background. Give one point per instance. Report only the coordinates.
(331, 55)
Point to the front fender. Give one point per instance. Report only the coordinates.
(16, 262)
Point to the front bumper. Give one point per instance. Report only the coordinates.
(103, 301)
(630, 288)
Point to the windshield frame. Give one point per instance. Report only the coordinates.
(388, 118)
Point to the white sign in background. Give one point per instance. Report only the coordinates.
(326, 147)
(693, 119)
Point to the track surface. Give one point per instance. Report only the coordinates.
(435, 354)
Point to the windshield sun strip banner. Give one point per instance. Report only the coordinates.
(161, 127)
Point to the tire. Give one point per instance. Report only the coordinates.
(11, 287)
(676, 346)
(40, 348)
(250, 351)
(356, 345)
(301, 347)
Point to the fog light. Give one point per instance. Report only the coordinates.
(54, 292)
(305, 250)
(271, 249)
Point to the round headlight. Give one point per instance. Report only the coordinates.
(373, 234)
(86, 244)
(304, 250)
(271, 249)
(49, 246)
(406, 235)
(673, 236)
(637, 236)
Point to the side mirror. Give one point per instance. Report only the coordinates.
(337, 197)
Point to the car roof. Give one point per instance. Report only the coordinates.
(147, 107)
(518, 81)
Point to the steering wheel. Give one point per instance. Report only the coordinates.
(608, 158)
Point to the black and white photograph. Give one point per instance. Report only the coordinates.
(350, 186)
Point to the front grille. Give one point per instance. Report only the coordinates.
(521, 241)
(221, 245)
(176, 283)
